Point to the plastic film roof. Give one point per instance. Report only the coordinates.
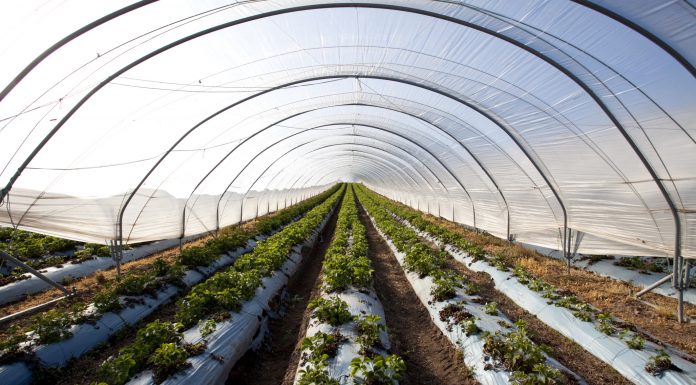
(159, 119)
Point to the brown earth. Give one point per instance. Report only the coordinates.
(430, 357)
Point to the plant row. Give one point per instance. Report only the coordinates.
(160, 346)
(40, 251)
(603, 322)
(347, 275)
(506, 347)
(55, 325)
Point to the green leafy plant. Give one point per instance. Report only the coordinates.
(52, 326)
(316, 374)
(636, 342)
(106, 301)
(515, 352)
(446, 284)
(322, 346)
(469, 327)
(207, 327)
(491, 308)
(333, 311)
(167, 359)
(369, 327)
(605, 324)
(658, 363)
(378, 370)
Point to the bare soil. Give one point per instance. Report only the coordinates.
(430, 357)
(277, 361)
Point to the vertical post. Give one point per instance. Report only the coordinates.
(181, 245)
(116, 248)
(681, 280)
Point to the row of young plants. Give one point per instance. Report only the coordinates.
(506, 347)
(55, 325)
(657, 364)
(359, 337)
(40, 251)
(160, 346)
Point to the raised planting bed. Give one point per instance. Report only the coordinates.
(221, 317)
(652, 315)
(346, 341)
(496, 351)
(599, 334)
(58, 337)
(32, 284)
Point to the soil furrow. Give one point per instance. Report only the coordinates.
(430, 357)
(277, 361)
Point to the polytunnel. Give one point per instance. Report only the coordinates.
(567, 125)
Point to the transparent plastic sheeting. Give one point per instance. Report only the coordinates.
(171, 118)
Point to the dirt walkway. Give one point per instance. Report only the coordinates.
(430, 357)
(277, 363)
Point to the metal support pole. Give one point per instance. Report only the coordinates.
(116, 248)
(181, 245)
(653, 286)
(31, 270)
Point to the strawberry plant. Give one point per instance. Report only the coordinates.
(316, 374)
(369, 327)
(322, 346)
(378, 370)
(167, 359)
(446, 284)
(333, 311)
(658, 363)
(491, 308)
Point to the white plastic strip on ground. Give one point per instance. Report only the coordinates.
(360, 304)
(17, 290)
(233, 337)
(607, 268)
(630, 363)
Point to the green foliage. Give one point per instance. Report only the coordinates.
(423, 261)
(198, 256)
(605, 324)
(369, 327)
(658, 363)
(378, 370)
(167, 359)
(52, 326)
(515, 352)
(117, 370)
(106, 301)
(316, 374)
(446, 284)
(638, 263)
(10, 345)
(333, 311)
(541, 374)
(322, 346)
(469, 327)
(207, 328)
(636, 342)
(491, 308)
